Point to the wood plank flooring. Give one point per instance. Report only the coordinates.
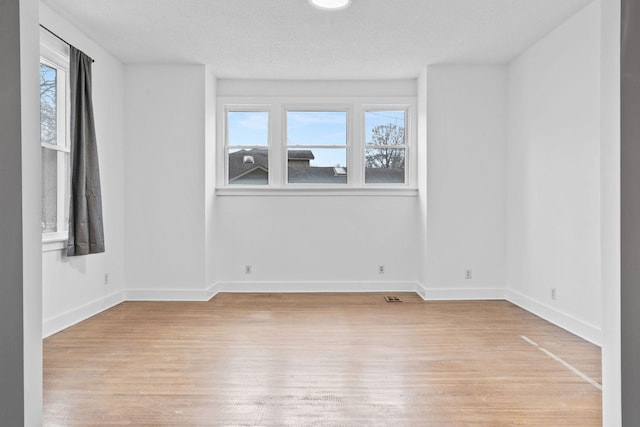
(318, 359)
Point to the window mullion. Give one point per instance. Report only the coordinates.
(356, 154)
(55, 147)
(277, 163)
(301, 146)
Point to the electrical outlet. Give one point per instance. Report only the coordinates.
(247, 269)
(106, 278)
(553, 294)
(468, 273)
(381, 269)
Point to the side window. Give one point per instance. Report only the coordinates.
(385, 147)
(316, 147)
(54, 142)
(247, 147)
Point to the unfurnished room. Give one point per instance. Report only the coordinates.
(319, 212)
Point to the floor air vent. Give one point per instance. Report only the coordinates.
(392, 298)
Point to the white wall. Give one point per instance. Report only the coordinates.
(316, 88)
(466, 181)
(73, 288)
(210, 175)
(182, 238)
(20, 214)
(31, 216)
(422, 151)
(317, 242)
(165, 181)
(317, 239)
(610, 212)
(554, 175)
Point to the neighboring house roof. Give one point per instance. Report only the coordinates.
(384, 175)
(300, 155)
(239, 168)
(304, 174)
(252, 167)
(257, 175)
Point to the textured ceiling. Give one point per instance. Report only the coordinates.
(289, 39)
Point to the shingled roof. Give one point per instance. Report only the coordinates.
(243, 168)
(314, 175)
(252, 167)
(300, 155)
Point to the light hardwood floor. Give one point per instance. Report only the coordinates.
(318, 359)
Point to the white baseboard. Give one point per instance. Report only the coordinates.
(578, 327)
(303, 287)
(421, 291)
(69, 318)
(462, 294)
(211, 292)
(168, 294)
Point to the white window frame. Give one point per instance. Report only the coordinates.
(255, 108)
(406, 108)
(355, 148)
(306, 107)
(55, 54)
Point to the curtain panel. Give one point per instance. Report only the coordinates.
(86, 234)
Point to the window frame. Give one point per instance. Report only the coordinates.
(55, 54)
(320, 108)
(251, 108)
(408, 134)
(355, 144)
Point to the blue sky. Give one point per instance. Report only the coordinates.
(248, 128)
(318, 128)
(48, 133)
(378, 118)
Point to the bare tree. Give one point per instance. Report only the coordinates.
(382, 151)
(48, 105)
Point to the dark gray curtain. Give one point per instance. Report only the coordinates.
(86, 235)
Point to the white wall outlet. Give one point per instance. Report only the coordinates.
(553, 294)
(106, 278)
(468, 273)
(247, 269)
(381, 269)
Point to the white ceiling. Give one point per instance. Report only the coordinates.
(289, 39)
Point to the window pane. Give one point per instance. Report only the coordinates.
(317, 166)
(48, 105)
(249, 167)
(385, 127)
(49, 190)
(316, 128)
(248, 128)
(384, 166)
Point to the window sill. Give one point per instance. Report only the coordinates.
(54, 242)
(315, 191)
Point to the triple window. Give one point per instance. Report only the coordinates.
(313, 145)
